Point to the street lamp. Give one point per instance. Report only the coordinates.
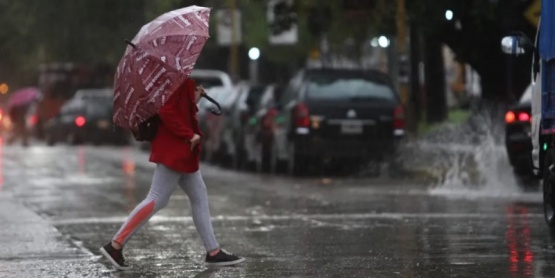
(254, 55)
(4, 88)
(449, 15)
(383, 41)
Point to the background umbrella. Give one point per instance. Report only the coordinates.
(23, 97)
(157, 61)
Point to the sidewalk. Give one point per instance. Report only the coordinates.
(31, 247)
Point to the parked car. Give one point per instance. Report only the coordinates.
(219, 86)
(237, 135)
(92, 94)
(86, 119)
(517, 134)
(337, 114)
(5, 121)
(31, 119)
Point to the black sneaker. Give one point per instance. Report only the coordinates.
(114, 256)
(223, 259)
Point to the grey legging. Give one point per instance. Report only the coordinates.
(164, 182)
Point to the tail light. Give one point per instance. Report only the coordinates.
(268, 121)
(399, 117)
(302, 116)
(524, 117)
(80, 121)
(511, 117)
(1, 114)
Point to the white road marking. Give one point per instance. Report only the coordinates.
(302, 217)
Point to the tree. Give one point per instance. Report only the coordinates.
(90, 32)
(474, 35)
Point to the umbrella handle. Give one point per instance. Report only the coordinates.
(130, 43)
(214, 111)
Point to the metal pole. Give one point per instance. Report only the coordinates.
(234, 47)
(253, 71)
(324, 44)
(402, 48)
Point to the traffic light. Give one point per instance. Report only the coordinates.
(319, 20)
(284, 17)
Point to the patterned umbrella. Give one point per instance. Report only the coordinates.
(156, 62)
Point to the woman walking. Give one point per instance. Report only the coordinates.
(176, 152)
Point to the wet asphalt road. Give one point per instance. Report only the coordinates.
(285, 227)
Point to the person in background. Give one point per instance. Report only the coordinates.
(18, 115)
(176, 152)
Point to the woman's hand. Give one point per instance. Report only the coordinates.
(194, 141)
(199, 90)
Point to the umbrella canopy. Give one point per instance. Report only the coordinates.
(23, 97)
(156, 62)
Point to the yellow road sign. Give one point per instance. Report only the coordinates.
(532, 13)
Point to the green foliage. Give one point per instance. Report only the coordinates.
(88, 31)
(68, 30)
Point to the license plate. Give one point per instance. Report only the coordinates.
(351, 128)
(103, 124)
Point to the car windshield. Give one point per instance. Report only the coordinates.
(352, 86)
(94, 93)
(209, 82)
(254, 94)
(99, 107)
(527, 96)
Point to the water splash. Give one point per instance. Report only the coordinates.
(467, 161)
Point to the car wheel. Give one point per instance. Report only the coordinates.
(264, 162)
(72, 139)
(548, 190)
(277, 166)
(225, 158)
(98, 141)
(296, 164)
(239, 158)
(50, 140)
(123, 141)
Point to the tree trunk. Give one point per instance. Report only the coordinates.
(436, 104)
(415, 104)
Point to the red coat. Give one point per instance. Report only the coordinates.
(179, 122)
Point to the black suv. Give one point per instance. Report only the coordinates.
(354, 115)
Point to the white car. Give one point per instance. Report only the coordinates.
(219, 86)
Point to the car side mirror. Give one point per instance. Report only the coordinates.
(516, 44)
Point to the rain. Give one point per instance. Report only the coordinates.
(277, 138)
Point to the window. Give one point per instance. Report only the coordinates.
(348, 85)
(99, 107)
(527, 95)
(208, 82)
(253, 96)
(292, 89)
